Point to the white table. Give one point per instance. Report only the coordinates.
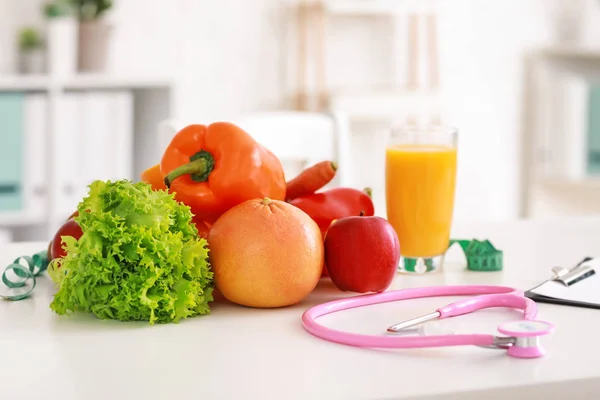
(241, 353)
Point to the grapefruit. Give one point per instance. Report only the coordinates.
(265, 254)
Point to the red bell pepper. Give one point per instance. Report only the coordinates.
(327, 206)
(324, 207)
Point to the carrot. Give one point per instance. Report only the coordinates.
(311, 179)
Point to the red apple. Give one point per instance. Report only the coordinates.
(362, 253)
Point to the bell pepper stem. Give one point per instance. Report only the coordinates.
(199, 168)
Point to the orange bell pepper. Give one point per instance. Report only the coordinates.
(212, 168)
(153, 176)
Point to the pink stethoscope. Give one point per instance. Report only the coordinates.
(522, 340)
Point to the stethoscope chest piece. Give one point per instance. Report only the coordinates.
(524, 337)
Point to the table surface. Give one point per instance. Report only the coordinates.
(239, 353)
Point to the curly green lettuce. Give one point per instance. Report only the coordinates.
(139, 258)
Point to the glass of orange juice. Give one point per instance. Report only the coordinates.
(420, 175)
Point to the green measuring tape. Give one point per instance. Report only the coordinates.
(35, 265)
(480, 255)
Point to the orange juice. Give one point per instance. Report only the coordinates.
(420, 182)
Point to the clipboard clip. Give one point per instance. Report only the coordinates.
(573, 275)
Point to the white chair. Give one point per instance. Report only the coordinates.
(298, 138)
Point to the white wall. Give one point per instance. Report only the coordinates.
(483, 42)
(226, 54)
(228, 57)
(232, 58)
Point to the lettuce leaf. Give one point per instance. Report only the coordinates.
(139, 258)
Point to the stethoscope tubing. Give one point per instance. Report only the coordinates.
(382, 341)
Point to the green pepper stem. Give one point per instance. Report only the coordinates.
(199, 168)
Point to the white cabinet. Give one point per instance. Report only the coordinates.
(95, 137)
(35, 185)
(561, 136)
(75, 131)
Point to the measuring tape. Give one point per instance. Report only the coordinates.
(34, 266)
(480, 256)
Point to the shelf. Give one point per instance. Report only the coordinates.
(19, 218)
(373, 7)
(373, 89)
(374, 104)
(24, 83)
(41, 83)
(84, 82)
(570, 53)
(571, 183)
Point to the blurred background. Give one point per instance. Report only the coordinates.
(93, 89)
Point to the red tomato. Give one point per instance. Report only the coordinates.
(69, 228)
(202, 226)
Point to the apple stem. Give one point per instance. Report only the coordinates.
(362, 213)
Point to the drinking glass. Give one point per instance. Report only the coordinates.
(420, 175)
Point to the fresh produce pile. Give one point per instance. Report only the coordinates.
(217, 214)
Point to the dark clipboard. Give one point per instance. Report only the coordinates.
(567, 277)
(552, 300)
